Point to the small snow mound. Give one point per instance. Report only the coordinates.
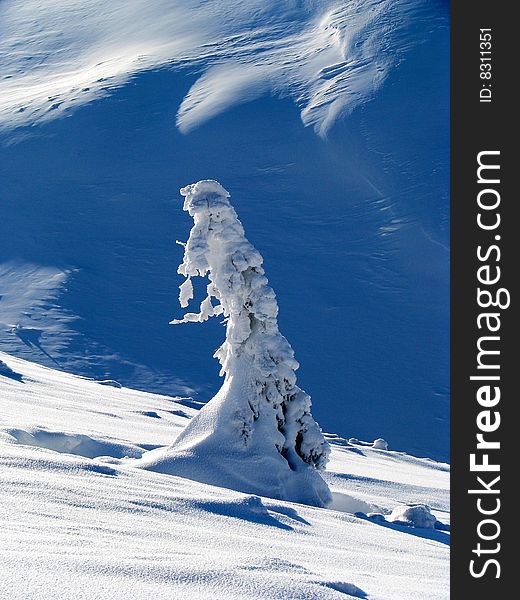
(70, 443)
(376, 516)
(418, 515)
(346, 503)
(380, 444)
(276, 565)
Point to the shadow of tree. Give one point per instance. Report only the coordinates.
(31, 337)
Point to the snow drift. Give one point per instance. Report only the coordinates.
(257, 434)
(80, 527)
(329, 56)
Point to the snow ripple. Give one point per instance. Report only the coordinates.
(329, 56)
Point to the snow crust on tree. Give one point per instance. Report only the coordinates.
(257, 434)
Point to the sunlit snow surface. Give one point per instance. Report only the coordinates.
(328, 56)
(108, 108)
(78, 521)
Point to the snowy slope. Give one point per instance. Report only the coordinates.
(78, 521)
(329, 56)
(108, 108)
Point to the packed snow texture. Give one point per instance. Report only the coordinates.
(328, 56)
(79, 521)
(257, 434)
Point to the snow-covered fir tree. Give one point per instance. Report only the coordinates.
(257, 434)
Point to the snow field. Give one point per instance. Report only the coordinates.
(83, 527)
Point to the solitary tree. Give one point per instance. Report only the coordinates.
(257, 435)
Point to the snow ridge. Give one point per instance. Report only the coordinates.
(329, 56)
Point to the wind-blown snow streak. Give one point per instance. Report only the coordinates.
(329, 56)
(29, 311)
